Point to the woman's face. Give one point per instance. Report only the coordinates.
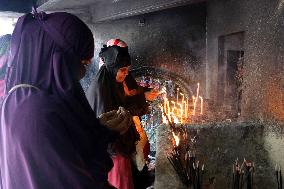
(121, 74)
(83, 65)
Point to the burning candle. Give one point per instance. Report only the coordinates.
(197, 90)
(177, 94)
(182, 103)
(165, 104)
(181, 111)
(186, 107)
(175, 118)
(176, 138)
(168, 107)
(185, 111)
(163, 116)
(194, 104)
(201, 105)
(173, 109)
(182, 97)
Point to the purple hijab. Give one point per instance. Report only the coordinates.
(49, 136)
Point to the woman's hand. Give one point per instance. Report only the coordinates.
(129, 92)
(117, 120)
(151, 95)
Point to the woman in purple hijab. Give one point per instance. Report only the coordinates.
(49, 136)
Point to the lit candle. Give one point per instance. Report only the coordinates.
(173, 109)
(165, 104)
(195, 99)
(181, 111)
(176, 138)
(177, 94)
(197, 91)
(182, 99)
(201, 105)
(194, 104)
(182, 102)
(168, 107)
(185, 111)
(182, 96)
(186, 107)
(163, 116)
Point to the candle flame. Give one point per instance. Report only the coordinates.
(178, 110)
(176, 138)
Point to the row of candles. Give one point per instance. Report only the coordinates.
(191, 173)
(178, 111)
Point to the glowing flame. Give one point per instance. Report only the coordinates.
(163, 116)
(176, 139)
(175, 118)
(178, 111)
(175, 113)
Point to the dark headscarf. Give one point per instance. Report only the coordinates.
(4, 53)
(49, 137)
(104, 90)
(105, 94)
(115, 57)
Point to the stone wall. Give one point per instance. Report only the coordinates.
(171, 40)
(262, 23)
(218, 145)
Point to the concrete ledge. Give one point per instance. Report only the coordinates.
(219, 144)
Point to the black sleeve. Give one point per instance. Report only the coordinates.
(137, 104)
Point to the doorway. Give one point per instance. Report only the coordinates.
(230, 73)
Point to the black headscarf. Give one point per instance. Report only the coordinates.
(115, 57)
(105, 94)
(104, 90)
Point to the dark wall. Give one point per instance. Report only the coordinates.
(263, 79)
(172, 40)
